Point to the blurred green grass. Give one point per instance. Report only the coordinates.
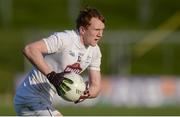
(7, 109)
(119, 111)
(105, 111)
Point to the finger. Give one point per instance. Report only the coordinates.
(66, 71)
(78, 101)
(86, 92)
(84, 96)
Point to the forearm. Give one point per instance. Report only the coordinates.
(94, 83)
(94, 91)
(36, 58)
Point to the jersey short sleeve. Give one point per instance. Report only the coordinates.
(57, 41)
(96, 59)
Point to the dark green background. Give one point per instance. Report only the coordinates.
(37, 15)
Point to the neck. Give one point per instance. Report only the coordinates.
(83, 42)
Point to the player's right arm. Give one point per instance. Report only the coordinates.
(34, 53)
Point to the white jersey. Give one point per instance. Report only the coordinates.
(65, 53)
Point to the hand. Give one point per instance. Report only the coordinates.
(56, 79)
(85, 95)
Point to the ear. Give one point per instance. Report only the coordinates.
(81, 30)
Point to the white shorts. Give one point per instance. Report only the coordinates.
(35, 109)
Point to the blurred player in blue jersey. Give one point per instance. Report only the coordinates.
(52, 57)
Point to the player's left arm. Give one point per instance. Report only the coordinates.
(94, 73)
(93, 88)
(94, 76)
(94, 83)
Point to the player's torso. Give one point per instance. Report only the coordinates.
(72, 59)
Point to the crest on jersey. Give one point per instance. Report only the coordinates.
(79, 59)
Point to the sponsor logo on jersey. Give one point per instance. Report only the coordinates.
(74, 68)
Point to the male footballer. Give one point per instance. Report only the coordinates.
(52, 57)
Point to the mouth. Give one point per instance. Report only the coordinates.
(96, 40)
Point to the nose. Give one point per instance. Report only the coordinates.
(100, 33)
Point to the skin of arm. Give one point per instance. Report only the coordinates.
(34, 53)
(94, 83)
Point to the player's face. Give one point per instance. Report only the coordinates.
(93, 33)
